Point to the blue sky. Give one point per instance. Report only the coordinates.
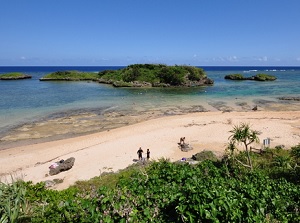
(123, 32)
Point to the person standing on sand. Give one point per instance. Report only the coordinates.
(181, 141)
(140, 153)
(148, 154)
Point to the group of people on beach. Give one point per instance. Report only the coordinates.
(140, 153)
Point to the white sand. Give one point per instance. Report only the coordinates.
(116, 149)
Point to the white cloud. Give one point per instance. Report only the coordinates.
(264, 58)
(217, 59)
(223, 59)
(232, 58)
(298, 59)
(23, 58)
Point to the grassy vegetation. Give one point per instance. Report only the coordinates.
(13, 75)
(164, 191)
(257, 77)
(71, 76)
(235, 77)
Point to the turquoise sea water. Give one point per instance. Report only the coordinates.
(24, 101)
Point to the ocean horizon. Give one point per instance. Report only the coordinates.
(31, 100)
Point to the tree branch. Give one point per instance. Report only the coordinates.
(240, 162)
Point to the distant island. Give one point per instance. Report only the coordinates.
(257, 77)
(140, 75)
(70, 76)
(14, 76)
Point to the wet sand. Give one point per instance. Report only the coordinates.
(74, 123)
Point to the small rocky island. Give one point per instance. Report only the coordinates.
(72, 75)
(140, 75)
(257, 77)
(14, 76)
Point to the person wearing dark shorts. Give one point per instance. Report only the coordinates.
(148, 154)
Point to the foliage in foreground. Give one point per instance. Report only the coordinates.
(171, 192)
(13, 205)
(243, 134)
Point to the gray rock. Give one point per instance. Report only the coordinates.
(289, 98)
(63, 166)
(49, 183)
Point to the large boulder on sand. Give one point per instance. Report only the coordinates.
(62, 166)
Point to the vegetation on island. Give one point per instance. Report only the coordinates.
(70, 76)
(139, 75)
(14, 76)
(235, 77)
(257, 77)
(264, 77)
(155, 75)
(223, 190)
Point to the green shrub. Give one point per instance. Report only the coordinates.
(131, 74)
(235, 77)
(170, 76)
(205, 155)
(71, 76)
(195, 74)
(295, 152)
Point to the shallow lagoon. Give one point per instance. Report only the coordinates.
(33, 101)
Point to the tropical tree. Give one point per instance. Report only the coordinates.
(245, 135)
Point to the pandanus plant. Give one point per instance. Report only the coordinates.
(243, 134)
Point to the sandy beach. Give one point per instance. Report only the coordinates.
(115, 149)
